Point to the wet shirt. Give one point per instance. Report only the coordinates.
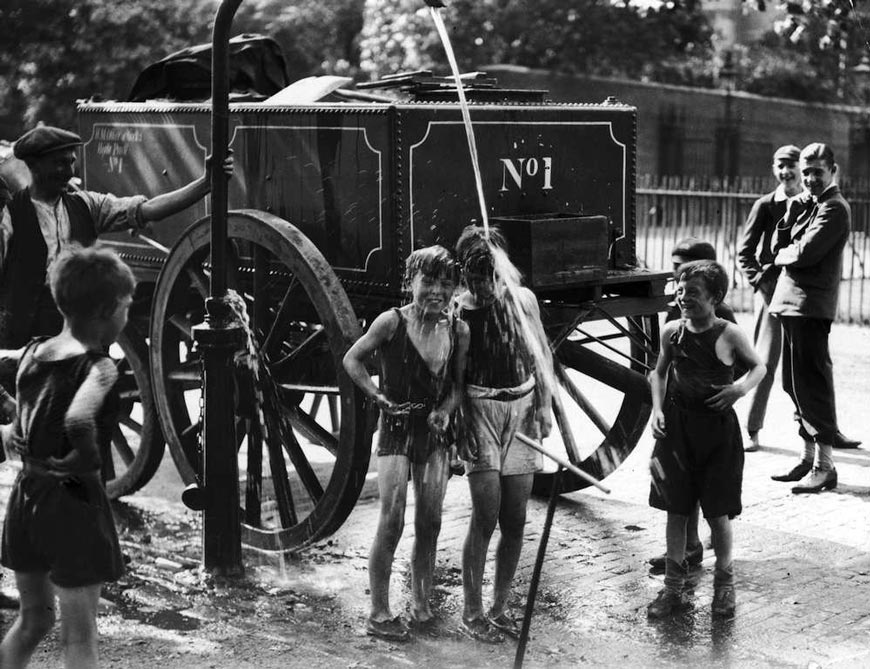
(696, 368)
(497, 356)
(405, 376)
(45, 389)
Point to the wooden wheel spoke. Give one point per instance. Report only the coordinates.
(304, 348)
(254, 479)
(134, 425)
(183, 324)
(199, 279)
(107, 468)
(602, 340)
(601, 368)
(313, 431)
(280, 480)
(316, 399)
(188, 374)
(281, 428)
(120, 444)
(581, 401)
(565, 430)
(282, 317)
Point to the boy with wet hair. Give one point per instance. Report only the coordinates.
(698, 455)
(59, 537)
(422, 348)
(685, 251)
(506, 392)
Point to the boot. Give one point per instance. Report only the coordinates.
(673, 597)
(724, 599)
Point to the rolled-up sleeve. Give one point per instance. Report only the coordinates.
(112, 213)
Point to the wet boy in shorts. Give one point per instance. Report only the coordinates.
(504, 394)
(420, 347)
(59, 536)
(698, 455)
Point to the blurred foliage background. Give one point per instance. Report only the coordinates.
(57, 51)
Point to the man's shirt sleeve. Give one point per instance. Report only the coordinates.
(112, 213)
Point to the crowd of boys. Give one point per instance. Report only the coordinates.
(458, 371)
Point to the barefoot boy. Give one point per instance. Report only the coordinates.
(421, 347)
(506, 392)
(698, 455)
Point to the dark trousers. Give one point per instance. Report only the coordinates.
(808, 376)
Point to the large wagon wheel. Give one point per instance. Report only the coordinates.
(137, 443)
(299, 480)
(601, 370)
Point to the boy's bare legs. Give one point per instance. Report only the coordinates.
(78, 625)
(515, 491)
(693, 539)
(675, 536)
(723, 541)
(485, 490)
(430, 484)
(393, 491)
(35, 619)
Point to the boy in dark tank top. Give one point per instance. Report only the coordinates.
(421, 348)
(698, 455)
(507, 390)
(59, 536)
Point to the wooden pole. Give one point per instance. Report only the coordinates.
(562, 462)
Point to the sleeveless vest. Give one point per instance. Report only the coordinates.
(23, 291)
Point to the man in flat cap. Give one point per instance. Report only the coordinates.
(809, 248)
(42, 219)
(756, 258)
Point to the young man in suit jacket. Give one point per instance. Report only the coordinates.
(755, 257)
(810, 242)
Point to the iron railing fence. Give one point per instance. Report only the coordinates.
(670, 208)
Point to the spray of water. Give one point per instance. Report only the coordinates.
(466, 116)
(506, 274)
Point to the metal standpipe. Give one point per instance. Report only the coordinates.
(219, 338)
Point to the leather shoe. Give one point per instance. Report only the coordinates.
(796, 474)
(842, 441)
(817, 481)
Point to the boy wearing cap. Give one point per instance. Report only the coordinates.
(809, 248)
(40, 221)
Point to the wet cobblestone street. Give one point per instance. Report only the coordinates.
(802, 567)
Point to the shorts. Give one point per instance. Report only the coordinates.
(409, 435)
(63, 527)
(492, 444)
(700, 460)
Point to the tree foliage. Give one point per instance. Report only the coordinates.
(589, 36)
(56, 51)
(316, 36)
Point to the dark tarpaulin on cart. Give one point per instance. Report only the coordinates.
(257, 70)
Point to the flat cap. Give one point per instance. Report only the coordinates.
(692, 248)
(42, 140)
(787, 152)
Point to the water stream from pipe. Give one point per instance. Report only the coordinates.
(466, 116)
(507, 276)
